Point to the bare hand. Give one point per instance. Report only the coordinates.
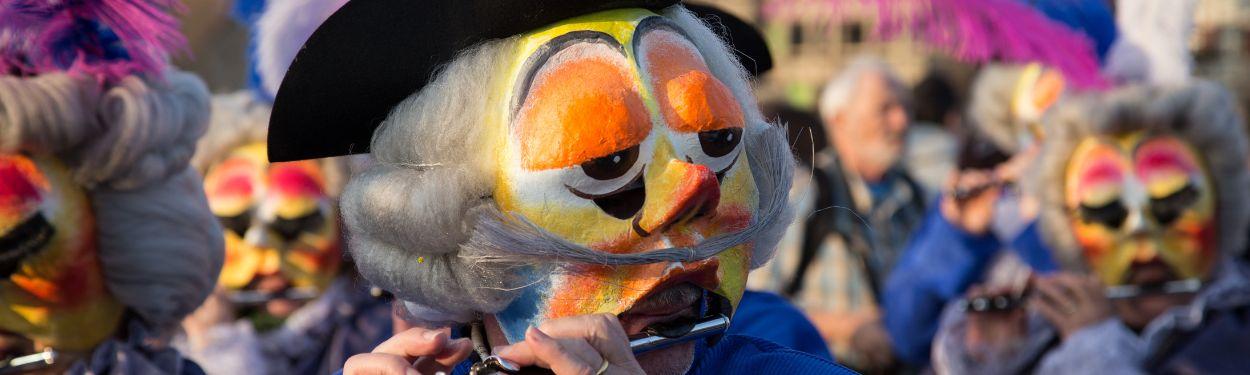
(1070, 302)
(872, 340)
(575, 345)
(975, 213)
(216, 310)
(415, 351)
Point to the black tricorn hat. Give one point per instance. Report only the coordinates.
(372, 54)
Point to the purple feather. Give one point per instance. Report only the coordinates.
(106, 39)
(975, 31)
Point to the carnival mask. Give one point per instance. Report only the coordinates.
(620, 139)
(278, 220)
(52, 289)
(1137, 200)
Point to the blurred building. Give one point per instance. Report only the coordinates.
(1221, 44)
(811, 40)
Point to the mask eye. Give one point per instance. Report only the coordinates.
(1169, 208)
(612, 166)
(1110, 215)
(290, 229)
(626, 202)
(717, 143)
(238, 223)
(23, 240)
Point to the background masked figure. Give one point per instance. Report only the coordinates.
(576, 163)
(1141, 192)
(106, 241)
(287, 302)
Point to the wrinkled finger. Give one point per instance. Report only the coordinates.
(413, 343)
(454, 352)
(1048, 310)
(1072, 286)
(602, 331)
(1049, 292)
(377, 364)
(1095, 292)
(561, 356)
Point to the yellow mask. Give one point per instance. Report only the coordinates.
(1138, 200)
(278, 219)
(52, 290)
(619, 138)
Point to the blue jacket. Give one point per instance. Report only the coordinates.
(937, 266)
(768, 316)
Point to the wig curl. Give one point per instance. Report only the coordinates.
(1201, 113)
(129, 144)
(422, 221)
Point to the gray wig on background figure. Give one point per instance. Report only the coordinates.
(1201, 113)
(422, 222)
(129, 144)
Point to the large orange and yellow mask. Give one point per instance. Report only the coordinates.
(52, 290)
(1138, 199)
(278, 220)
(620, 138)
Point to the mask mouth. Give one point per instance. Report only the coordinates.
(1150, 273)
(23, 241)
(664, 311)
(1151, 278)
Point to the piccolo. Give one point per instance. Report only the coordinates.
(649, 340)
(29, 363)
(1119, 292)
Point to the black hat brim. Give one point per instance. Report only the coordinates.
(372, 54)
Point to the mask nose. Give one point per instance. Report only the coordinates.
(259, 238)
(682, 191)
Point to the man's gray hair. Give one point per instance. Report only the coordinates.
(129, 144)
(1201, 113)
(838, 92)
(422, 222)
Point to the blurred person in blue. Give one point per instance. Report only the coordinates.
(858, 208)
(1139, 198)
(982, 211)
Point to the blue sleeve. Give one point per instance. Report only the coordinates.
(736, 354)
(1032, 250)
(937, 266)
(1090, 17)
(770, 317)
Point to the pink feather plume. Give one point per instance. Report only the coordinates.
(106, 39)
(974, 31)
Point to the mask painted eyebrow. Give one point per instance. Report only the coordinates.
(582, 102)
(691, 99)
(534, 64)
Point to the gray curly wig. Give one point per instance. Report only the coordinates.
(422, 223)
(1201, 112)
(129, 145)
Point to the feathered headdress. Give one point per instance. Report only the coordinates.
(972, 31)
(104, 39)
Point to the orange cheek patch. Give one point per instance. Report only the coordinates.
(578, 111)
